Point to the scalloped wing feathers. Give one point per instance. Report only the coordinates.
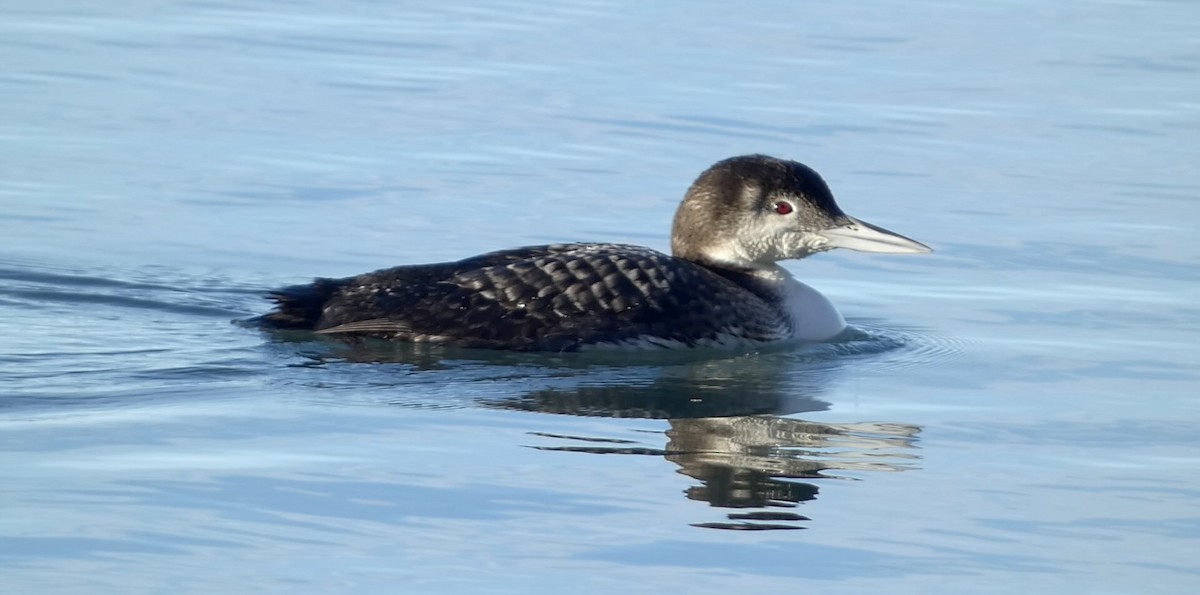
(559, 297)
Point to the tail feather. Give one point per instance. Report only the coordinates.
(298, 306)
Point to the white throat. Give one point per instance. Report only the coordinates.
(813, 316)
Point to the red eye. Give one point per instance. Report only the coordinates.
(783, 208)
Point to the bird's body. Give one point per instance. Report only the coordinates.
(720, 288)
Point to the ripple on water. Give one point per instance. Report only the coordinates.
(900, 346)
(47, 290)
(112, 339)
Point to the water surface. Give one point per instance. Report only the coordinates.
(1018, 411)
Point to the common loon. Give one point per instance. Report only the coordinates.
(721, 286)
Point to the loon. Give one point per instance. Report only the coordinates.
(721, 286)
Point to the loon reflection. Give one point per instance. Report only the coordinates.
(733, 429)
(734, 421)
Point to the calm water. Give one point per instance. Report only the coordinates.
(1019, 411)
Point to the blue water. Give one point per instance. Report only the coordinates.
(1018, 413)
